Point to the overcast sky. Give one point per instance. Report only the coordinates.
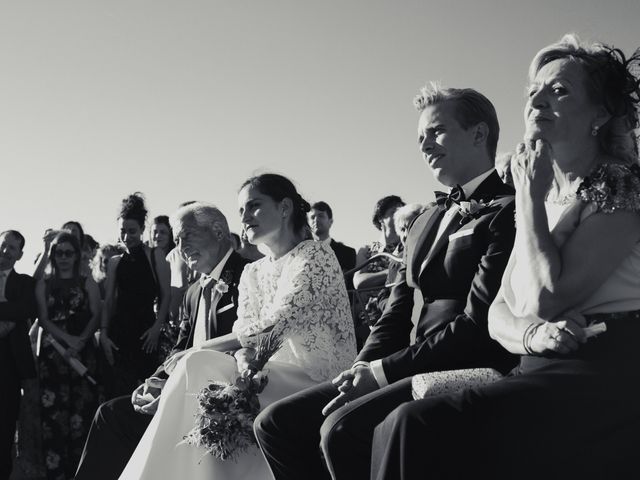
(183, 100)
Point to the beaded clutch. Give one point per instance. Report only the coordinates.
(451, 381)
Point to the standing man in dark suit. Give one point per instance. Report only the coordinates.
(455, 255)
(17, 307)
(320, 220)
(209, 310)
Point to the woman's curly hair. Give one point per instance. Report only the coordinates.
(133, 208)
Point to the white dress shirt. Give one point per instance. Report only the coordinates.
(200, 327)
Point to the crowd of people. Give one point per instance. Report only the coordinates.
(529, 266)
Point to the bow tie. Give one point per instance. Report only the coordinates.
(445, 200)
(206, 281)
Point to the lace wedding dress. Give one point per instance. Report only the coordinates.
(303, 293)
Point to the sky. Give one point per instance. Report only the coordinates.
(184, 100)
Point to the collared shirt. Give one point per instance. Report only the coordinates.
(4, 274)
(468, 188)
(200, 327)
(217, 270)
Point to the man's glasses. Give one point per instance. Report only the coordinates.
(65, 253)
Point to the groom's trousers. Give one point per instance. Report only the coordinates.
(292, 432)
(115, 432)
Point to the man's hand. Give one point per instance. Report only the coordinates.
(146, 397)
(351, 384)
(5, 328)
(107, 346)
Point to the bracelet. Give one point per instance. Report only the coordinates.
(527, 336)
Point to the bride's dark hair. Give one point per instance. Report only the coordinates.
(278, 188)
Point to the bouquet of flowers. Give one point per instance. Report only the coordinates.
(226, 411)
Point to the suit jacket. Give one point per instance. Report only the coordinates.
(16, 357)
(347, 260)
(227, 305)
(458, 276)
(346, 255)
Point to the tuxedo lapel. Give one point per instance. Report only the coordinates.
(229, 269)
(489, 189)
(425, 227)
(452, 226)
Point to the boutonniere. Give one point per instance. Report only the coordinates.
(472, 209)
(221, 286)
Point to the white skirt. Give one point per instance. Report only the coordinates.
(161, 454)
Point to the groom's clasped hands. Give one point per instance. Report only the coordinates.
(352, 384)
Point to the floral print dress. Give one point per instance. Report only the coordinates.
(68, 401)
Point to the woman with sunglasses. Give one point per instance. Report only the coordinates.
(68, 308)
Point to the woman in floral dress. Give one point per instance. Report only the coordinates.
(68, 307)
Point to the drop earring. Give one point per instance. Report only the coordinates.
(594, 130)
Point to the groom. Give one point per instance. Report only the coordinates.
(203, 240)
(455, 255)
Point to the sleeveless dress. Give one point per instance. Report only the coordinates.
(555, 417)
(135, 292)
(304, 294)
(67, 401)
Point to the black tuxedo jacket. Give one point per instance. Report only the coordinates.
(346, 255)
(16, 357)
(458, 276)
(227, 305)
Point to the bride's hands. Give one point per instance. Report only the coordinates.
(243, 358)
(146, 397)
(532, 169)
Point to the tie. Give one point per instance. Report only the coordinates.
(205, 318)
(445, 200)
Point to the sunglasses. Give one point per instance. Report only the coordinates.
(65, 253)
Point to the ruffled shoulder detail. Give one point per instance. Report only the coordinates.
(612, 187)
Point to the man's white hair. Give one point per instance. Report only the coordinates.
(203, 215)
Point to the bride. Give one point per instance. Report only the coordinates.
(299, 287)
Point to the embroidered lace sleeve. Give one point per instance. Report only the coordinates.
(303, 296)
(612, 187)
(248, 302)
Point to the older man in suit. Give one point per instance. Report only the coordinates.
(202, 237)
(17, 307)
(455, 255)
